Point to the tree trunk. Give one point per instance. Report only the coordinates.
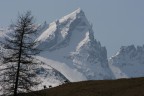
(18, 69)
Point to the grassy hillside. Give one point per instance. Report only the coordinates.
(122, 87)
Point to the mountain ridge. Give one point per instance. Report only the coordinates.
(70, 48)
(128, 62)
(71, 40)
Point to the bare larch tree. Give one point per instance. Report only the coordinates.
(18, 63)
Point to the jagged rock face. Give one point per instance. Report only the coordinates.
(70, 40)
(58, 34)
(129, 55)
(129, 61)
(91, 59)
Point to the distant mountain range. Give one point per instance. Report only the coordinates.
(71, 52)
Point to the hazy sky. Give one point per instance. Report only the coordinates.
(115, 22)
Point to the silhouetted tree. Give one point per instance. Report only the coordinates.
(18, 63)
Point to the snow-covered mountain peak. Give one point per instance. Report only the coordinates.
(126, 49)
(70, 41)
(128, 62)
(59, 33)
(130, 52)
(75, 14)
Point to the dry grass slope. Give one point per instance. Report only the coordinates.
(121, 87)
